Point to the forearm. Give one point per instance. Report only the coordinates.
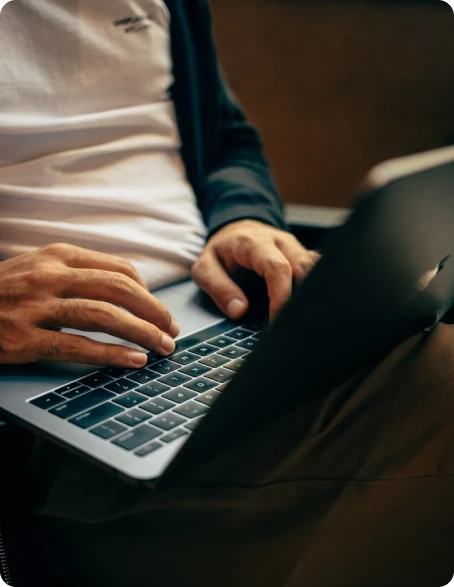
(241, 184)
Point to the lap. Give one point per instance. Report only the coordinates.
(350, 489)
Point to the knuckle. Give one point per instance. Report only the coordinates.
(44, 275)
(53, 350)
(101, 313)
(200, 267)
(111, 354)
(127, 267)
(245, 240)
(13, 343)
(47, 275)
(280, 266)
(74, 346)
(122, 282)
(60, 250)
(71, 313)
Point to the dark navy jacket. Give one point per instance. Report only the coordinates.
(222, 152)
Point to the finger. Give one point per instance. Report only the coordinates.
(211, 277)
(268, 262)
(301, 260)
(57, 346)
(95, 316)
(80, 258)
(120, 290)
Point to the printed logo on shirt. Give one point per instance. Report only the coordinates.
(139, 22)
(3, 3)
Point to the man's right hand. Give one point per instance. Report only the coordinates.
(63, 286)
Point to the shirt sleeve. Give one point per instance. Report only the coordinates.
(241, 185)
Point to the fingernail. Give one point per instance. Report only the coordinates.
(236, 308)
(137, 359)
(167, 344)
(174, 329)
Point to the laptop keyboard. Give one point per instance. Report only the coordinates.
(142, 410)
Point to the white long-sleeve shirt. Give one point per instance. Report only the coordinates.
(89, 144)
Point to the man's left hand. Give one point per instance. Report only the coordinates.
(275, 255)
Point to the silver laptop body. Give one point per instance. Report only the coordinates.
(21, 385)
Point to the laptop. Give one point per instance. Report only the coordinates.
(385, 274)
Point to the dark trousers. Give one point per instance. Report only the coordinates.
(354, 489)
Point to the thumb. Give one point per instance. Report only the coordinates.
(210, 275)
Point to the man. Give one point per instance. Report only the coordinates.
(125, 162)
(90, 157)
(90, 151)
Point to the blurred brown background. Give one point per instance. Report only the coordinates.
(335, 87)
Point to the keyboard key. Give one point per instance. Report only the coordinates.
(222, 341)
(195, 370)
(82, 403)
(95, 380)
(208, 398)
(76, 392)
(233, 352)
(179, 395)
(204, 349)
(165, 367)
(148, 449)
(239, 333)
(174, 435)
(68, 387)
(191, 409)
(133, 417)
(221, 375)
(235, 365)
(131, 399)
(96, 415)
(117, 372)
(157, 406)
(214, 361)
(200, 385)
(136, 437)
(174, 379)
(185, 358)
(221, 387)
(192, 425)
(168, 421)
(143, 376)
(186, 343)
(121, 385)
(108, 429)
(255, 327)
(249, 344)
(152, 389)
(153, 358)
(48, 401)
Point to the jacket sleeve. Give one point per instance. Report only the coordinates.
(241, 185)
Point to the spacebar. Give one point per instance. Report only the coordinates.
(82, 403)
